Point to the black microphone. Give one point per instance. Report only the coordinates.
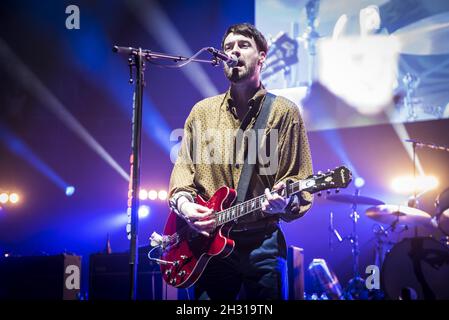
(230, 60)
(126, 50)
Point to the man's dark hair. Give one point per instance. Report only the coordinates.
(250, 31)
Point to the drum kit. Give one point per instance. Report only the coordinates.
(413, 268)
(416, 267)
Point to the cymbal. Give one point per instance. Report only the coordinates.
(400, 214)
(350, 198)
(426, 36)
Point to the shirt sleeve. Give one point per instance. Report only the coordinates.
(183, 174)
(295, 162)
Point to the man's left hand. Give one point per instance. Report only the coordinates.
(275, 203)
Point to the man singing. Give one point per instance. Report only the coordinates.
(256, 269)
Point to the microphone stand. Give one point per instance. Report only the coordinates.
(137, 57)
(311, 36)
(416, 143)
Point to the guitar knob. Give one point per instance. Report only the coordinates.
(182, 273)
(328, 192)
(183, 257)
(167, 272)
(319, 194)
(173, 281)
(337, 190)
(176, 263)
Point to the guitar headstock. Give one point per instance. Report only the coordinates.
(337, 178)
(283, 53)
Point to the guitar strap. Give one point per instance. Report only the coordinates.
(248, 169)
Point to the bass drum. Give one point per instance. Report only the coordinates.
(416, 268)
(442, 206)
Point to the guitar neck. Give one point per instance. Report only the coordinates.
(255, 204)
(333, 179)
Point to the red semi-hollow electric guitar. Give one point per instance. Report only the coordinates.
(185, 252)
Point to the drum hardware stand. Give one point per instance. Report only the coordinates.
(333, 231)
(356, 285)
(380, 233)
(413, 202)
(136, 59)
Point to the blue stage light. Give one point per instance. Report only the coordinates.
(69, 191)
(359, 182)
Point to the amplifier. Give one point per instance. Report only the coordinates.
(55, 277)
(109, 277)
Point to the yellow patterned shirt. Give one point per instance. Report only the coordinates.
(209, 156)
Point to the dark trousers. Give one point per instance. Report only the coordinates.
(255, 270)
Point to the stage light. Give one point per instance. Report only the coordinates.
(409, 185)
(14, 198)
(334, 140)
(154, 18)
(33, 85)
(359, 182)
(143, 194)
(152, 194)
(360, 71)
(144, 211)
(4, 197)
(162, 195)
(69, 191)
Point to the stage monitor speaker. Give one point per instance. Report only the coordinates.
(109, 277)
(295, 264)
(55, 277)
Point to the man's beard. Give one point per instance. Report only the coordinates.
(236, 75)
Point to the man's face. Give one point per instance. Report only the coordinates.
(250, 60)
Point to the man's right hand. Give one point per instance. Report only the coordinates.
(200, 218)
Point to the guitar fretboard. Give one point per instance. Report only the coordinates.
(255, 204)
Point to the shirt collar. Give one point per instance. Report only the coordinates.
(255, 101)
